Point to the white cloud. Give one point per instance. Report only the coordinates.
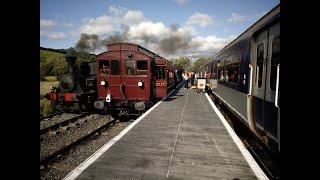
(235, 17)
(168, 41)
(133, 17)
(100, 25)
(148, 30)
(107, 24)
(52, 35)
(47, 24)
(200, 18)
(181, 2)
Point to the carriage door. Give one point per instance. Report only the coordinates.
(271, 110)
(265, 60)
(260, 54)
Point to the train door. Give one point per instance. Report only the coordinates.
(272, 109)
(109, 76)
(137, 78)
(266, 58)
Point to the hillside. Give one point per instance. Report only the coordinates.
(52, 62)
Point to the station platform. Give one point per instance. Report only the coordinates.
(182, 138)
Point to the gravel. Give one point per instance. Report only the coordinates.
(64, 164)
(50, 143)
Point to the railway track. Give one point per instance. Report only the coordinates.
(51, 115)
(64, 122)
(268, 160)
(45, 159)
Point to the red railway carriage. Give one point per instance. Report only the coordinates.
(165, 78)
(130, 78)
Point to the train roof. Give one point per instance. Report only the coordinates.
(141, 49)
(250, 31)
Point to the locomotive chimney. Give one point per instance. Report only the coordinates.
(71, 59)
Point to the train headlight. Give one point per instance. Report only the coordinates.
(103, 83)
(140, 83)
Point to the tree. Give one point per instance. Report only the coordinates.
(183, 62)
(199, 62)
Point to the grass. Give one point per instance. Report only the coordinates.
(45, 104)
(45, 107)
(45, 86)
(51, 78)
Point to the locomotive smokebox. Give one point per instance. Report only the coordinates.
(71, 59)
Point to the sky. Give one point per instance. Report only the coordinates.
(171, 28)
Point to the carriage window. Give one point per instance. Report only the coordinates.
(115, 67)
(142, 67)
(130, 68)
(104, 67)
(220, 72)
(260, 53)
(275, 60)
(232, 72)
(161, 74)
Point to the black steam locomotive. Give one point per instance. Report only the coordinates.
(77, 89)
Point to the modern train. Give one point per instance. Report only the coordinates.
(246, 74)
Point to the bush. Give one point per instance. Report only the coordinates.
(45, 107)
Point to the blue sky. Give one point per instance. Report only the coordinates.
(204, 26)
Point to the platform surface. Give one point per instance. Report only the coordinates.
(182, 138)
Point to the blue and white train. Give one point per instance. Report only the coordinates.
(247, 77)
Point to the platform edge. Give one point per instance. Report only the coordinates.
(252, 163)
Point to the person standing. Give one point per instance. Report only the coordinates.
(186, 80)
(196, 79)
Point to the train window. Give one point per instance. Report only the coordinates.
(130, 68)
(104, 67)
(161, 73)
(142, 67)
(275, 60)
(115, 67)
(260, 53)
(232, 72)
(220, 72)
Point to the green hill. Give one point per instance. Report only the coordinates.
(52, 62)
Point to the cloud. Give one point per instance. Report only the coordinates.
(181, 2)
(133, 17)
(199, 18)
(100, 25)
(52, 35)
(122, 25)
(109, 23)
(236, 18)
(47, 24)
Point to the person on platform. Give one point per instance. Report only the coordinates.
(186, 80)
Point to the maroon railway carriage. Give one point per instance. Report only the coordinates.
(165, 77)
(131, 78)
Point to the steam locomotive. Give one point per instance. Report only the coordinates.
(131, 78)
(77, 89)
